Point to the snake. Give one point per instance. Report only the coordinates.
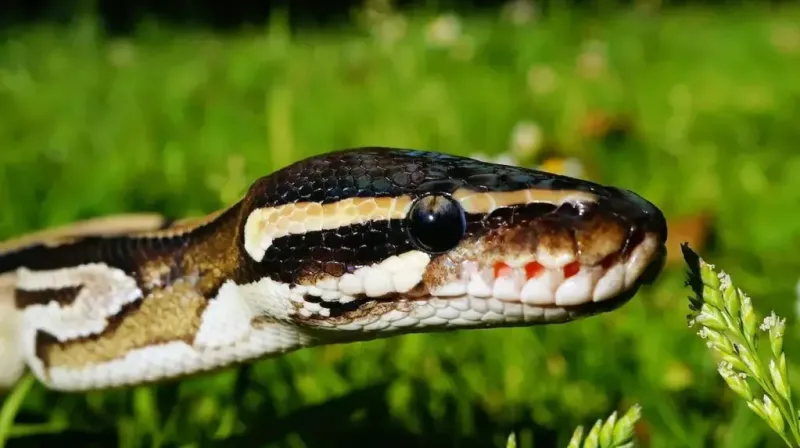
(351, 245)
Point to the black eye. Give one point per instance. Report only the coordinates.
(436, 223)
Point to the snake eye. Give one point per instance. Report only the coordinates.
(436, 223)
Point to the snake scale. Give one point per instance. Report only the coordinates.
(351, 245)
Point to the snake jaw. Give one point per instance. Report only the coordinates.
(478, 300)
(549, 283)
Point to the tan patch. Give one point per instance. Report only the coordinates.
(599, 238)
(315, 210)
(165, 315)
(106, 226)
(486, 202)
(155, 274)
(8, 283)
(546, 234)
(205, 261)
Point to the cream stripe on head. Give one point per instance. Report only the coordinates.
(264, 225)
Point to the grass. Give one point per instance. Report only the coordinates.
(181, 122)
(729, 324)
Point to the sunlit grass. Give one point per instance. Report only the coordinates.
(181, 123)
(614, 432)
(727, 320)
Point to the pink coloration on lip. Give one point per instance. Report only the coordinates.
(501, 269)
(533, 269)
(571, 269)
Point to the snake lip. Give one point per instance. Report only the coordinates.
(655, 267)
(650, 258)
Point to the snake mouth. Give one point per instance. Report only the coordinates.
(502, 294)
(551, 281)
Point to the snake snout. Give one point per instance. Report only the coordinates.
(643, 214)
(653, 270)
(647, 222)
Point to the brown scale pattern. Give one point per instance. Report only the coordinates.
(169, 314)
(371, 172)
(177, 274)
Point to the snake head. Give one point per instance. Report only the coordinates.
(377, 241)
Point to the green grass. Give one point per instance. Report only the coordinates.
(181, 122)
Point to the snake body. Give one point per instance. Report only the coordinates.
(346, 246)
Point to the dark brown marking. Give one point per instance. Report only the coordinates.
(63, 296)
(362, 306)
(312, 299)
(599, 238)
(206, 255)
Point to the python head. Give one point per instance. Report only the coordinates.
(371, 242)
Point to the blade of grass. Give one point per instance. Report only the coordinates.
(11, 406)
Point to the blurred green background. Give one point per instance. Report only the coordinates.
(694, 107)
